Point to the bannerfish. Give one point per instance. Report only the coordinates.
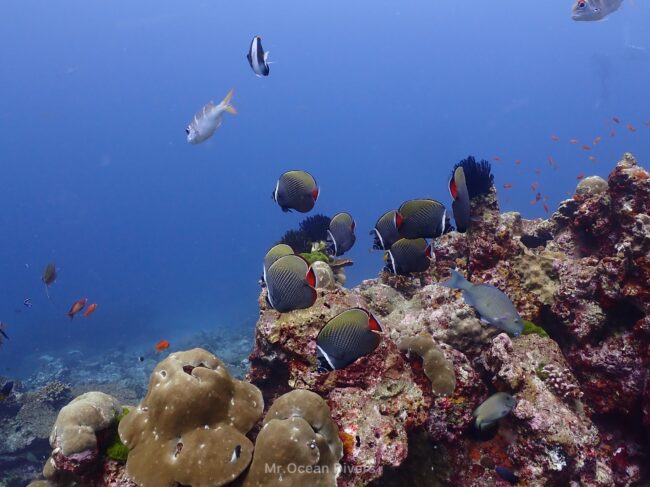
(493, 409)
(340, 235)
(48, 277)
(507, 475)
(296, 190)
(208, 119)
(161, 346)
(460, 195)
(257, 58)
(347, 337)
(277, 251)
(592, 10)
(385, 231)
(77, 306)
(421, 218)
(291, 284)
(408, 255)
(490, 302)
(90, 310)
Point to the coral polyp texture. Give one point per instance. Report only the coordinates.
(403, 414)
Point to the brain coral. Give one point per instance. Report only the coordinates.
(190, 428)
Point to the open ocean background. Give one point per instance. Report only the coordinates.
(377, 99)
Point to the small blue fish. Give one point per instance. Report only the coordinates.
(494, 408)
(490, 302)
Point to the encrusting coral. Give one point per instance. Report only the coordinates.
(437, 368)
(191, 424)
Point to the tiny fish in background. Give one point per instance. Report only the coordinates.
(597, 140)
(90, 310)
(573, 141)
(2, 331)
(518, 161)
(616, 120)
(494, 408)
(580, 176)
(592, 158)
(647, 123)
(507, 185)
(27, 303)
(585, 147)
(140, 358)
(161, 346)
(257, 58)
(555, 138)
(209, 119)
(77, 306)
(497, 158)
(631, 127)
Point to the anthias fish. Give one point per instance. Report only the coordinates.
(490, 302)
(209, 119)
(257, 58)
(347, 337)
(340, 235)
(460, 196)
(494, 408)
(296, 190)
(277, 251)
(161, 345)
(90, 310)
(385, 232)
(77, 306)
(593, 10)
(291, 284)
(408, 255)
(421, 218)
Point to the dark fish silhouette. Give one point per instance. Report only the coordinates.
(296, 190)
(408, 255)
(340, 236)
(291, 284)
(257, 58)
(460, 195)
(49, 276)
(385, 231)
(421, 218)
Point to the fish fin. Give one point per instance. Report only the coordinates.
(456, 281)
(266, 57)
(47, 293)
(226, 102)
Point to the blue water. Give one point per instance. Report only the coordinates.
(377, 99)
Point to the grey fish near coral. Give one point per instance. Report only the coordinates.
(494, 408)
(385, 231)
(460, 196)
(408, 255)
(291, 284)
(296, 190)
(421, 218)
(490, 302)
(340, 236)
(347, 337)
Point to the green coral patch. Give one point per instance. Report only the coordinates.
(117, 450)
(312, 257)
(530, 328)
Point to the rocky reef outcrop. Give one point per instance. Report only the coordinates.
(403, 414)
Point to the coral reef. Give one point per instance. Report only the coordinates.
(579, 373)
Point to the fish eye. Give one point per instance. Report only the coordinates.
(581, 4)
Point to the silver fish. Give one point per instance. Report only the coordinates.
(593, 10)
(257, 58)
(490, 302)
(493, 409)
(209, 119)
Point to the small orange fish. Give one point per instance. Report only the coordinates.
(647, 123)
(554, 138)
(538, 197)
(518, 161)
(612, 133)
(76, 307)
(507, 185)
(90, 309)
(551, 162)
(538, 171)
(597, 140)
(580, 176)
(585, 147)
(592, 158)
(616, 120)
(573, 141)
(161, 345)
(497, 158)
(545, 206)
(534, 186)
(631, 127)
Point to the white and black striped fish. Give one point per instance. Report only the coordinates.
(257, 58)
(291, 284)
(340, 235)
(421, 218)
(408, 255)
(347, 337)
